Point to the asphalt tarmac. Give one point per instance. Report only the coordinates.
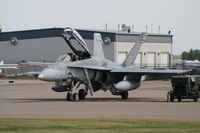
(34, 98)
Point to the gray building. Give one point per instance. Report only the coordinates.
(46, 45)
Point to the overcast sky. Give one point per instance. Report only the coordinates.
(182, 17)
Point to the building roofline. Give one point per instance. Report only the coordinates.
(85, 33)
(91, 30)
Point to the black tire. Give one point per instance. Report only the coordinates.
(68, 97)
(171, 98)
(195, 99)
(124, 94)
(71, 97)
(179, 99)
(81, 94)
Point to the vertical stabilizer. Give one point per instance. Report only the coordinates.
(98, 49)
(130, 59)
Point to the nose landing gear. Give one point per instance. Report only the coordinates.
(72, 94)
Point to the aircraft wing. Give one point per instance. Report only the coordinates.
(29, 74)
(150, 74)
(9, 66)
(41, 64)
(147, 71)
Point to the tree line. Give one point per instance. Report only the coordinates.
(191, 55)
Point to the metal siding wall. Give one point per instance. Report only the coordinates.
(149, 38)
(42, 49)
(122, 38)
(164, 61)
(156, 48)
(138, 59)
(151, 59)
(30, 34)
(121, 57)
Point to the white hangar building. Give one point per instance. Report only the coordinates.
(46, 45)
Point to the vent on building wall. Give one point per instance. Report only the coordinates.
(106, 40)
(13, 40)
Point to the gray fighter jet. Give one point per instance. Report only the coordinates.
(95, 72)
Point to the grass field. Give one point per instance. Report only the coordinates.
(51, 125)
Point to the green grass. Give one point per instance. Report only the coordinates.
(51, 125)
(19, 77)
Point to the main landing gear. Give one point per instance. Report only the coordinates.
(81, 94)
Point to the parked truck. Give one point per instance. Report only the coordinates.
(185, 87)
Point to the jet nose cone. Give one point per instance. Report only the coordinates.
(50, 75)
(45, 75)
(41, 76)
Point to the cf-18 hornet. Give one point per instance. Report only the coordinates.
(95, 72)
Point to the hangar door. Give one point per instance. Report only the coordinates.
(164, 61)
(151, 59)
(121, 56)
(138, 59)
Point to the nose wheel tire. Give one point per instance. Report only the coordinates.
(81, 94)
(71, 97)
(124, 94)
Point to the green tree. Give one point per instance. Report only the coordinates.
(191, 55)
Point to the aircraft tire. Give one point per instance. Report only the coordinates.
(81, 94)
(196, 97)
(68, 96)
(179, 99)
(124, 94)
(71, 97)
(171, 98)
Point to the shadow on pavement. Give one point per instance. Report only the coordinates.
(34, 100)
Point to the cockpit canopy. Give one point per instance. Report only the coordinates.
(76, 43)
(64, 57)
